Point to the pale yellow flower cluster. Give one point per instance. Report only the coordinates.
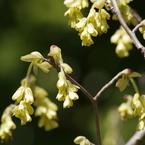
(123, 41)
(67, 90)
(124, 9)
(81, 140)
(138, 104)
(93, 25)
(74, 11)
(45, 108)
(24, 97)
(125, 109)
(89, 26)
(24, 94)
(135, 106)
(7, 124)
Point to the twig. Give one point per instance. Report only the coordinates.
(132, 35)
(95, 107)
(138, 26)
(107, 85)
(137, 138)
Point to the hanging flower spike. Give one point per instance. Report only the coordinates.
(7, 124)
(138, 104)
(24, 97)
(45, 109)
(123, 41)
(92, 25)
(127, 74)
(66, 90)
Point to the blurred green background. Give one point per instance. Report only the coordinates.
(35, 25)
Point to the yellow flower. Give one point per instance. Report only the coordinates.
(138, 104)
(66, 68)
(32, 57)
(47, 123)
(141, 124)
(61, 80)
(86, 38)
(36, 60)
(125, 109)
(56, 53)
(142, 30)
(124, 9)
(18, 95)
(139, 109)
(74, 14)
(67, 102)
(28, 96)
(82, 140)
(98, 3)
(23, 112)
(123, 82)
(81, 24)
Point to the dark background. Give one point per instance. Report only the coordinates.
(35, 25)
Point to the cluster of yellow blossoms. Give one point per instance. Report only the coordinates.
(92, 25)
(96, 21)
(24, 95)
(29, 94)
(123, 41)
(124, 9)
(45, 108)
(135, 106)
(67, 90)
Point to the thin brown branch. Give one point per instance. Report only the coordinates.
(132, 35)
(137, 138)
(107, 85)
(95, 107)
